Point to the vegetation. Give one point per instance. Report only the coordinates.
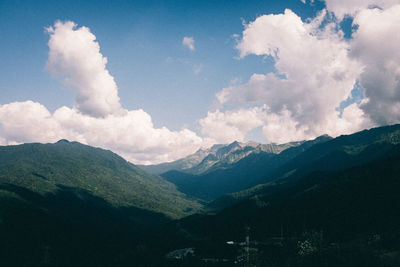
(326, 202)
(47, 168)
(338, 206)
(67, 204)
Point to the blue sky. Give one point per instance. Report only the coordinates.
(143, 43)
(270, 71)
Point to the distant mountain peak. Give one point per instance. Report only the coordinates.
(215, 147)
(218, 155)
(324, 136)
(251, 143)
(63, 141)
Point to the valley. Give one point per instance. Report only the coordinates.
(322, 202)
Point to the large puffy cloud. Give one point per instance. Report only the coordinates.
(351, 7)
(27, 122)
(376, 44)
(281, 127)
(132, 135)
(314, 74)
(97, 117)
(75, 55)
(226, 127)
(316, 68)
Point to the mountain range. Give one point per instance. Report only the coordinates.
(336, 203)
(322, 202)
(216, 157)
(235, 167)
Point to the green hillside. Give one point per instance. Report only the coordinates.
(68, 204)
(45, 168)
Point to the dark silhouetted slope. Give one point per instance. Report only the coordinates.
(340, 206)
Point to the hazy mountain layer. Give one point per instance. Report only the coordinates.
(225, 177)
(181, 164)
(218, 156)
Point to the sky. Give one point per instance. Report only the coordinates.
(156, 80)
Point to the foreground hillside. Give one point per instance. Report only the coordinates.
(326, 218)
(63, 199)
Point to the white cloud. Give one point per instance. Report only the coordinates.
(27, 122)
(188, 42)
(97, 118)
(352, 7)
(376, 45)
(75, 56)
(226, 127)
(316, 68)
(318, 74)
(132, 135)
(305, 1)
(278, 127)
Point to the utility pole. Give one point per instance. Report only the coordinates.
(247, 247)
(244, 258)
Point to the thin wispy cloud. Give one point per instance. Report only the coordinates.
(197, 68)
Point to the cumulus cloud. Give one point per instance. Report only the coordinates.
(376, 45)
(132, 135)
(97, 117)
(317, 68)
(75, 56)
(226, 127)
(351, 7)
(27, 122)
(188, 42)
(314, 74)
